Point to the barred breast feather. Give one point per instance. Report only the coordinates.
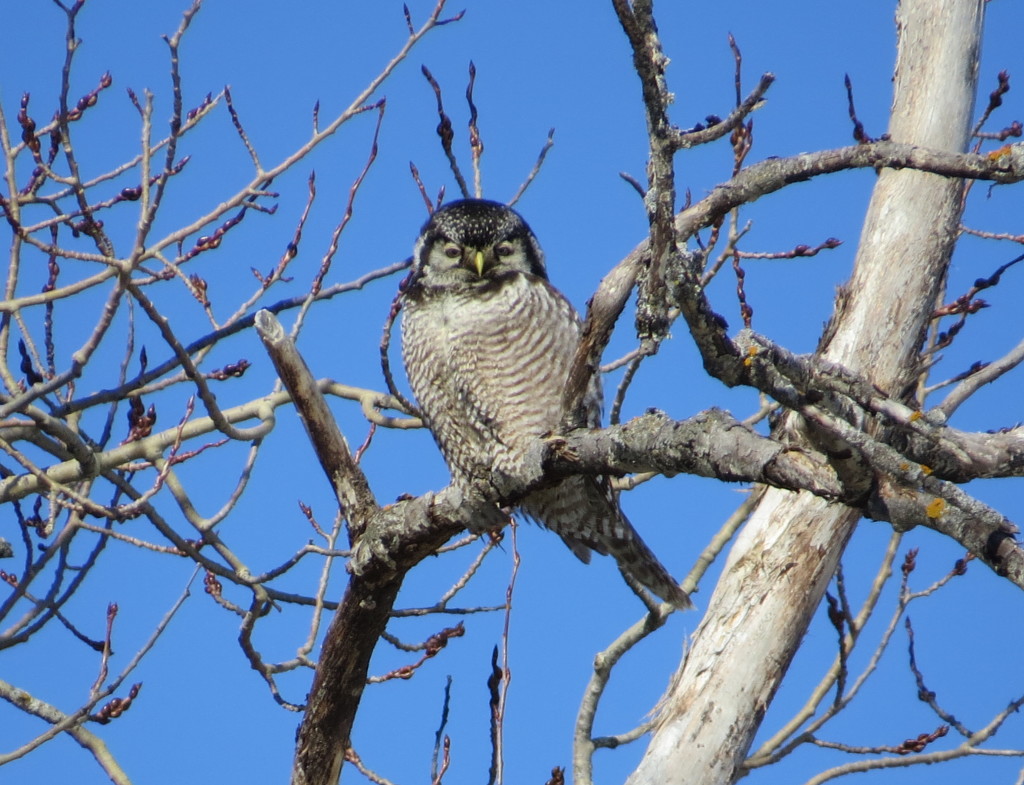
(487, 363)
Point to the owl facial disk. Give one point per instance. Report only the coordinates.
(473, 240)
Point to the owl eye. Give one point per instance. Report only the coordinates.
(452, 251)
(504, 249)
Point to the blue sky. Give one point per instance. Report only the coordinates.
(539, 65)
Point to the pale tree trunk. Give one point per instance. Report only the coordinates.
(779, 568)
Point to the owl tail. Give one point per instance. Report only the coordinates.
(587, 517)
(638, 562)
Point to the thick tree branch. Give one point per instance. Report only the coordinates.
(387, 543)
(360, 619)
(714, 444)
(710, 444)
(798, 381)
(349, 483)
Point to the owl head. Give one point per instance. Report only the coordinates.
(475, 240)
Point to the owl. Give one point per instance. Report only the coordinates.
(487, 342)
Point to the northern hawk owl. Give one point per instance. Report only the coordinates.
(487, 342)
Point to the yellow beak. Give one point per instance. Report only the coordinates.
(478, 261)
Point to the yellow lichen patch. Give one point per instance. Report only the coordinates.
(995, 155)
(914, 417)
(926, 469)
(751, 354)
(934, 510)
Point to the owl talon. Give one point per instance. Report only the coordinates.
(558, 447)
